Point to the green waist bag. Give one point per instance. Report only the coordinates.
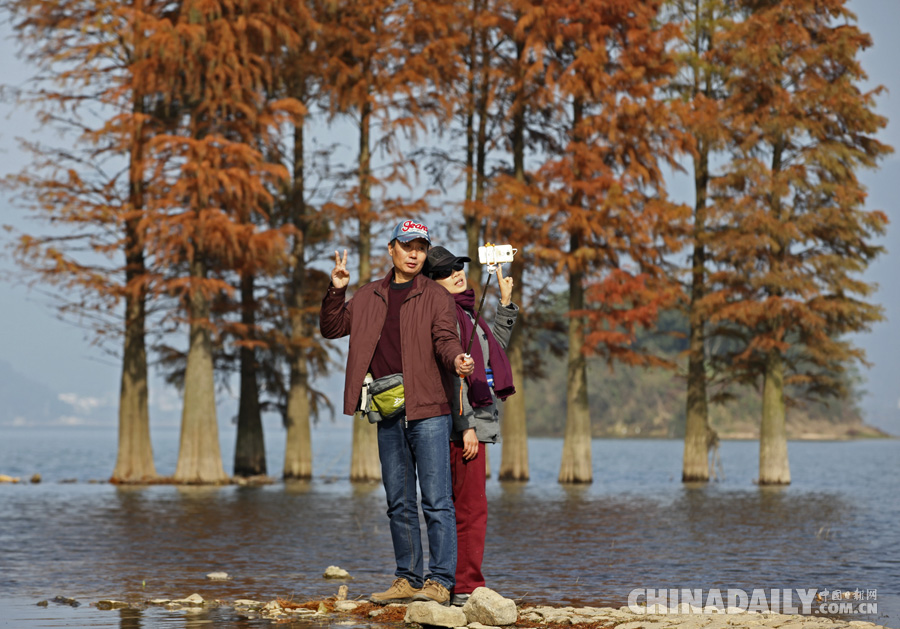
(385, 398)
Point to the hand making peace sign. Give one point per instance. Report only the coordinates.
(340, 276)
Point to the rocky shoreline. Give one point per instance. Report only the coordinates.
(485, 609)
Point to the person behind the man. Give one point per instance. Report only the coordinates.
(403, 324)
(475, 412)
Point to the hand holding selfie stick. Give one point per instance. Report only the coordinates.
(492, 256)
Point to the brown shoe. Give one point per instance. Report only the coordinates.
(399, 592)
(433, 591)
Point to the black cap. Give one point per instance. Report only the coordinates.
(440, 258)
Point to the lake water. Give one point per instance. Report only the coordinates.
(636, 526)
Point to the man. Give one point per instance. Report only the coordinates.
(404, 323)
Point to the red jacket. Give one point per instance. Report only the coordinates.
(428, 329)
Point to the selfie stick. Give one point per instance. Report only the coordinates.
(474, 330)
(491, 269)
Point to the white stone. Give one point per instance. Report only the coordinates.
(433, 613)
(301, 611)
(593, 611)
(558, 619)
(246, 602)
(334, 572)
(490, 608)
(345, 606)
(217, 576)
(193, 599)
(478, 625)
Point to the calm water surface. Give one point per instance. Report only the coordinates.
(636, 526)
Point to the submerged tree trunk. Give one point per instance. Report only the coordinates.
(697, 429)
(773, 453)
(514, 442)
(364, 462)
(298, 442)
(199, 455)
(298, 439)
(250, 449)
(576, 465)
(134, 463)
(695, 466)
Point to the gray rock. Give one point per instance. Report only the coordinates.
(478, 625)
(432, 613)
(109, 604)
(489, 608)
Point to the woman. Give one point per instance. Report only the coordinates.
(473, 402)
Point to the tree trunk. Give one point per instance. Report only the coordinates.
(696, 447)
(513, 428)
(514, 443)
(696, 429)
(576, 465)
(134, 463)
(474, 222)
(298, 442)
(199, 455)
(773, 454)
(472, 225)
(364, 462)
(250, 449)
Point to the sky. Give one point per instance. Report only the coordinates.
(64, 379)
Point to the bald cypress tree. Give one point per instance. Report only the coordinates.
(798, 235)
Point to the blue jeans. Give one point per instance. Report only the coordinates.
(422, 446)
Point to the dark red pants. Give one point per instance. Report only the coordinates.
(471, 516)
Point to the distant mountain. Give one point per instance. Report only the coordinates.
(23, 400)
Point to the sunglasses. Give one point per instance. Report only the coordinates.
(441, 272)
